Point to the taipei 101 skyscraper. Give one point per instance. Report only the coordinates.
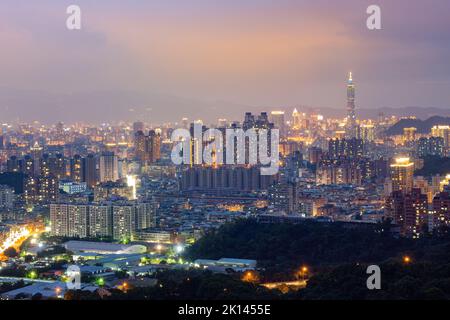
(351, 114)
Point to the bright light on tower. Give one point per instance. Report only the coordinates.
(131, 182)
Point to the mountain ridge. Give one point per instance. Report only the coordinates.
(115, 106)
(423, 126)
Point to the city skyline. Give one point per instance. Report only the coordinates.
(256, 150)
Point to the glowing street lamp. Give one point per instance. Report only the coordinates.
(179, 248)
(250, 276)
(406, 260)
(124, 286)
(303, 272)
(58, 292)
(100, 282)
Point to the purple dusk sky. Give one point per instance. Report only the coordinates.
(161, 60)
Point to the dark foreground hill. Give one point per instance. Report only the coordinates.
(283, 248)
(337, 257)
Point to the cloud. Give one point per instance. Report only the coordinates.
(249, 52)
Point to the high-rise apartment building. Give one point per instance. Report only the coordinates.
(339, 172)
(441, 209)
(41, 190)
(100, 220)
(90, 170)
(349, 148)
(367, 132)
(154, 146)
(6, 196)
(224, 179)
(138, 126)
(59, 220)
(409, 134)
(296, 119)
(140, 145)
(443, 132)
(76, 168)
(118, 220)
(433, 146)
(124, 221)
(84, 170)
(402, 171)
(108, 167)
(77, 221)
(283, 197)
(279, 122)
(147, 148)
(409, 211)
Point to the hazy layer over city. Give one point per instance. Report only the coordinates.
(161, 60)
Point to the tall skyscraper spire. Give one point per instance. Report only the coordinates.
(351, 114)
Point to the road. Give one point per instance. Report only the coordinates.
(26, 280)
(16, 236)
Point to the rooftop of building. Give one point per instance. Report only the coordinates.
(104, 247)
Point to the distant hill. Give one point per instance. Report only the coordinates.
(423, 126)
(115, 106)
(418, 112)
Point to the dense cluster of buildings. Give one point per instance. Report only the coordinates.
(416, 204)
(118, 181)
(227, 179)
(111, 196)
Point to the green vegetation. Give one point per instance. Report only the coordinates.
(185, 285)
(19, 272)
(51, 251)
(418, 281)
(100, 282)
(338, 257)
(32, 274)
(11, 252)
(282, 248)
(81, 295)
(14, 180)
(54, 239)
(197, 285)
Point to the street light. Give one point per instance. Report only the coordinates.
(406, 259)
(303, 272)
(179, 248)
(100, 282)
(250, 276)
(58, 292)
